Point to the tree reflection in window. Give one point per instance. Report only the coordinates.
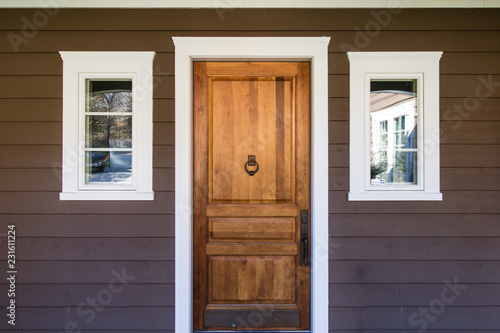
(108, 131)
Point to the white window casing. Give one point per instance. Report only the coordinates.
(77, 68)
(422, 67)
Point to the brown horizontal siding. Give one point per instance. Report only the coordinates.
(406, 330)
(87, 249)
(92, 272)
(71, 295)
(29, 64)
(56, 318)
(414, 248)
(453, 86)
(472, 202)
(226, 18)
(457, 109)
(470, 156)
(45, 110)
(20, 64)
(106, 331)
(387, 258)
(473, 318)
(30, 86)
(376, 295)
(338, 155)
(475, 63)
(48, 203)
(414, 271)
(90, 225)
(161, 41)
(420, 225)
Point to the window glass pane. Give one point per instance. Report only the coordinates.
(113, 167)
(393, 132)
(108, 126)
(109, 95)
(108, 131)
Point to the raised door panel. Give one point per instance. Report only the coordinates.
(251, 116)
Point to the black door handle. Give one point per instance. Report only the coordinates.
(304, 251)
(304, 238)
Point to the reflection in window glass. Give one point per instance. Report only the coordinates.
(393, 132)
(108, 131)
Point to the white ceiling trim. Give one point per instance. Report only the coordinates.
(250, 4)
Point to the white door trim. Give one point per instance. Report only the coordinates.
(188, 49)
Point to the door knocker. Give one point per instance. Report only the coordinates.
(251, 162)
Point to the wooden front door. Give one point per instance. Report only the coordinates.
(251, 196)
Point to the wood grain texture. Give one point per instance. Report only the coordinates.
(249, 117)
(246, 227)
(251, 319)
(227, 229)
(251, 279)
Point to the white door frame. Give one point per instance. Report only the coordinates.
(189, 49)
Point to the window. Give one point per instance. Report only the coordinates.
(394, 126)
(107, 125)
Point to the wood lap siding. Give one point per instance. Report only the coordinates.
(387, 259)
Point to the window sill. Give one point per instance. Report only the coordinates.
(395, 196)
(107, 195)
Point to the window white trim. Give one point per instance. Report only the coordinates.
(188, 49)
(77, 66)
(230, 4)
(424, 66)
